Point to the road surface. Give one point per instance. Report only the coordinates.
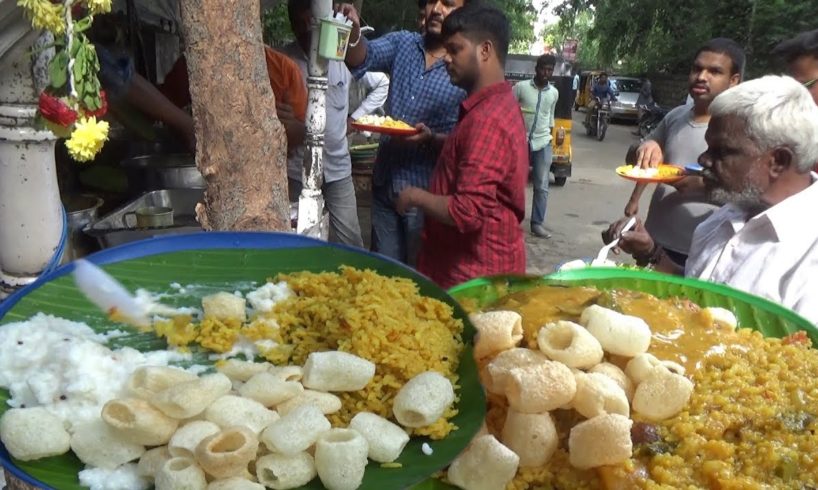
(593, 198)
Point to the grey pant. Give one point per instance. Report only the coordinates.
(339, 198)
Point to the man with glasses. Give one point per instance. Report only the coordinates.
(801, 56)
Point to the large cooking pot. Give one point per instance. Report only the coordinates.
(155, 172)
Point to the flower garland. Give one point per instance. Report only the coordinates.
(73, 103)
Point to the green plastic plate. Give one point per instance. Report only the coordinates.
(771, 319)
(213, 262)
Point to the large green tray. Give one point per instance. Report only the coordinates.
(771, 319)
(219, 260)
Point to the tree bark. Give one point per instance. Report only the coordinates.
(241, 147)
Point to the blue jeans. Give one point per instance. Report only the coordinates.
(541, 161)
(394, 235)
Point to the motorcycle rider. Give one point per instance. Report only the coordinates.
(601, 93)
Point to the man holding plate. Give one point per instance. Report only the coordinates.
(420, 94)
(761, 150)
(476, 200)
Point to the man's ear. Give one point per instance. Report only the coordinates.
(486, 47)
(735, 79)
(781, 160)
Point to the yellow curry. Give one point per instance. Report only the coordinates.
(751, 421)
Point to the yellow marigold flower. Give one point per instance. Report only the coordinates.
(45, 15)
(99, 6)
(87, 139)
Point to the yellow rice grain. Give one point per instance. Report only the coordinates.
(383, 319)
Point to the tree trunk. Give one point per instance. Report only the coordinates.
(241, 147)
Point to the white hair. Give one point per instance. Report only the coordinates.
(778, 111)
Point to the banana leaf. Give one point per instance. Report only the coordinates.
(229, 261)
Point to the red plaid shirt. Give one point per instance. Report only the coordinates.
(483, 168)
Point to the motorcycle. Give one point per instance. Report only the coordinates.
(650, 117)
(599, 120)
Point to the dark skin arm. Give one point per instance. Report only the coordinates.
(638, 243)
(143, 95)
(294, 128)
(356, 55)
(427, 137)
(433, 205)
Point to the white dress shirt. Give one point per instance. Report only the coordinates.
(377, 86)
(773, 255)
(337, 163)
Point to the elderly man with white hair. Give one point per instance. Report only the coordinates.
(762, 145)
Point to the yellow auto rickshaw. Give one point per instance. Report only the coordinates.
(562, 155)
(586, 81)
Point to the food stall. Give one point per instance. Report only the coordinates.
(53, 208)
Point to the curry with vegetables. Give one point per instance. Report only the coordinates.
(750, 423)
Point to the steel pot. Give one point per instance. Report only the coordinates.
(155, 172)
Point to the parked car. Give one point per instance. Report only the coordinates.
(627, 92)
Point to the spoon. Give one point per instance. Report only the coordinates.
(109, 295)
(602, 256)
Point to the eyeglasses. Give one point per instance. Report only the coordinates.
(810, 83)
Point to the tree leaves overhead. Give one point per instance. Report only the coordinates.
(660, 36)
(388, 16)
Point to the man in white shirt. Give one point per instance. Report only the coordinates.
(369, 94)
(338, 189)
(761, 150)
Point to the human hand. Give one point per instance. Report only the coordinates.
(285, 112)
(649, 154)
(637, 241)
(632, 208)
(689, 185)
(350, 12)
(424, 135)
(406, 200)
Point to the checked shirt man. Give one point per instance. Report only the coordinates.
(420, 93)
(477, 196)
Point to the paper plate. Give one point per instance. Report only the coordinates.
(385, 130)
(622, 171)
(219, 261)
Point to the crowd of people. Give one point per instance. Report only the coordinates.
(464, 178)
(450, 199)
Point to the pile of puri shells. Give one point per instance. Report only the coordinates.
(567, 372)
(248, 426)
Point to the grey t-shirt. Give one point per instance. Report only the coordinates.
(674, 216)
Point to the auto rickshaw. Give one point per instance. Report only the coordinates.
(586, 81)
(562, 155)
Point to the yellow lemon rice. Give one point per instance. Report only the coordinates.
(383, 319)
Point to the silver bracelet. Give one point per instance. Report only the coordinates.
(357, 41)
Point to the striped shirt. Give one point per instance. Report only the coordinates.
(483, 169)
(416, 95)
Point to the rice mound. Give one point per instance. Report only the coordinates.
(383, 319)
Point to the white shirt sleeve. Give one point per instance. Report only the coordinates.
(378, 86)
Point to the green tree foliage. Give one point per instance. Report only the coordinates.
(275, 25)
(388, 16)
(661, 36)
(575, 27)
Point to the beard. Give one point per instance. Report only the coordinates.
(466, 78)
(748, 199)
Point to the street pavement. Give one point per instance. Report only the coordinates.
(593, 197)
(590, 201)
